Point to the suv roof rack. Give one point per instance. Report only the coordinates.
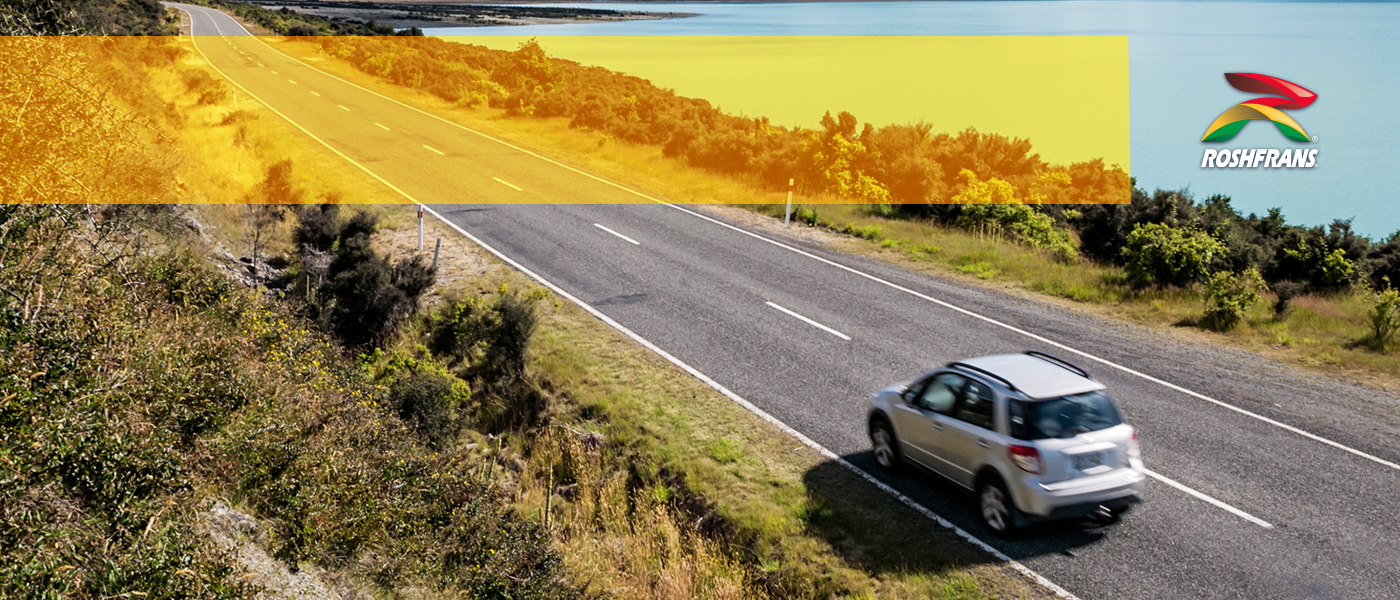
(981, 371)
(1060, 362)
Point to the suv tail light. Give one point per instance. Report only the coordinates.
(1025, 457)
(1133, 450)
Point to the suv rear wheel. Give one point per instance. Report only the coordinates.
(999, 512)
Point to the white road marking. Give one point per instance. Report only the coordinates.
(273, 72)
(315, 94)
(1051, 586)
(634, 242)
(260, 64)
(910, 502)
(438, 151)
(896, 286)
(382, 127)
(812, 323)
(293, 82)
(342, 106)
(1226, 507)
(507, 184)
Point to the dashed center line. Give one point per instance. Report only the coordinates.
(508, 184)
(812, 323)
(342, 106)
(273, 72)
(634, 242)
(293, 82)
(260, 64)
(315, 94)
(433, 149)
(382, 127)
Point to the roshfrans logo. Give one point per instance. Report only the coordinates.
(1271, 109)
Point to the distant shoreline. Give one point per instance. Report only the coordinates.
(453, 13)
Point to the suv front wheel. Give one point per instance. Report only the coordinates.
(885, 445)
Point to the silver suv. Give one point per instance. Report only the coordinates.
(1033, 436)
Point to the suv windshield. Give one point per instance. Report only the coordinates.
(1062, 417)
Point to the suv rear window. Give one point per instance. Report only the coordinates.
(1062, 417)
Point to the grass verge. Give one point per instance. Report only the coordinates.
(681, 493)
(1322, 333)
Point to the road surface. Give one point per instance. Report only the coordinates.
(1268, 483)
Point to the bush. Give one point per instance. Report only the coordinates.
(1160, 255)
(366, 296)
(1311, 259)
(489, 341)
(992, 208)
(1385, 318)
(431, 404)
(1229, 296)
(487, 344)
(1285, 291)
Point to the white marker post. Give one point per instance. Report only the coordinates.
(420, 227)
(787, 216)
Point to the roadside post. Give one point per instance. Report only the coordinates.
(787, 216)
(420, 227)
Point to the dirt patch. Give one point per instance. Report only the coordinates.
(458, 258)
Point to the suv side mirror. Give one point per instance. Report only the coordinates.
(908, 396)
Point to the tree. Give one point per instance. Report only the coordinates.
(836, 153)
(1162, 255)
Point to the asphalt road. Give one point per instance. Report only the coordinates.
(1258, 510)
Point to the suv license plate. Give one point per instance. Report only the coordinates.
(1087, 461)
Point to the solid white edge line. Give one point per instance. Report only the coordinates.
(507, 184)
(440, 152)
(809, 442)
(1103, 361)
(1040, 579)
(1050, 342)
(910, 502)
(634, 242)
(1226, 507)
(812, 323)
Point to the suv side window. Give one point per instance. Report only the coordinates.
(941, 393)
(976, 406)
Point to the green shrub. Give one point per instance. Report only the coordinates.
(1229, 296)
(1385, 318)
(1284, 292)
(366, 297)
(487, 343)
(1321, 267)
(1160, 255)
(432, 404)
(991, 208)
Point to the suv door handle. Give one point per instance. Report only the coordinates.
(983, 443)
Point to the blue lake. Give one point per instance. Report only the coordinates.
(1347, 53)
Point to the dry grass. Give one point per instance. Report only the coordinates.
(1305, 337)
(691, 493)
(692, 496)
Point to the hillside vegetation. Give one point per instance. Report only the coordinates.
(163, 425)
(968, 203)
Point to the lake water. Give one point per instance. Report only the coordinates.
(1344, 52)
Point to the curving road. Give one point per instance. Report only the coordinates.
(1268, 483)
